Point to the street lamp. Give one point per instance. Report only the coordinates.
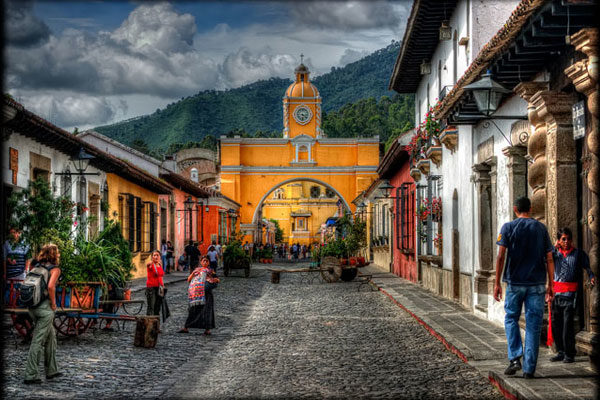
(487, 93)
(386, 189)
(82, 160)
(445, 30)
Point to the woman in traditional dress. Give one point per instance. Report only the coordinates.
(201, 313)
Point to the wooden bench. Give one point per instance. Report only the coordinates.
(276, 273)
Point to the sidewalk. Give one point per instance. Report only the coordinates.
(482, 344)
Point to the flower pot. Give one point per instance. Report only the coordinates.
(352, 261)
(360, 261)
(270, 261)
(127, 294)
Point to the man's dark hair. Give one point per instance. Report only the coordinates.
(564, 231)
(191, 243)
(523, 204)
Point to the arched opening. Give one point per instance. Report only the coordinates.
(303, 153)
(454, 57)
(303, 211)
(194, 174)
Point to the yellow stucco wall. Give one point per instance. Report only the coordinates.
(116, 186)
(297, 198)
(253, 168)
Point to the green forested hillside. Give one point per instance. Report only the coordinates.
(256, 109)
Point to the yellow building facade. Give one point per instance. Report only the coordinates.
(252, 169)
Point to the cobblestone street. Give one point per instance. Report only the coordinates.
(294, 339)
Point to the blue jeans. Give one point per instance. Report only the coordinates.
(533, 298)
(164, 262)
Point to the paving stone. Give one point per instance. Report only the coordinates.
(290, 340)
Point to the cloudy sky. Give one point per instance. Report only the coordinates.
(88, 63)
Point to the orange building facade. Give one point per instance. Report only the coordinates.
(253, 168)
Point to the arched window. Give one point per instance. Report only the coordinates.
(194, 175)
(315, 192)
(329, 193)
(303, 153)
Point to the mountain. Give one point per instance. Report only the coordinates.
(255, 107)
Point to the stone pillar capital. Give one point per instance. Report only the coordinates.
(554, 107)
(586, 41)
(515, 151)
(527, 89)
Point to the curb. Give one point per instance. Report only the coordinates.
(507, 390)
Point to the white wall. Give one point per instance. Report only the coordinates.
(59, 162)
(123, 152)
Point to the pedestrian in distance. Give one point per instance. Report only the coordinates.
(154, 284)
(44, 336)
(213, 257)
(193, 255)
(170, 256)
(163, 255)
(525, 244)
(569, 264)
(201, 313)
(16, 264)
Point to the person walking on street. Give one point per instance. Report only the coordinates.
(170, 256)
(154, 284)
(569, 264)
(213, 258)
(193, 255)
(526, 245)
(219, 254)
(44, 336)
(201, 312)
(163, 255)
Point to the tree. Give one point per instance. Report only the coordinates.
(278, 231)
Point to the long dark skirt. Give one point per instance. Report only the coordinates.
(202, 316)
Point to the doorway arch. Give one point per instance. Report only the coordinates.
(259, 206)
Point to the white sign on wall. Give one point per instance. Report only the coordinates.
(578, 111)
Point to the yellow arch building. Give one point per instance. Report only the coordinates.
(252, 169)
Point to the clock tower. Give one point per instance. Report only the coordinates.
(302, 107)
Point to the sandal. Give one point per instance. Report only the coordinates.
(207, 333)
(184, 330)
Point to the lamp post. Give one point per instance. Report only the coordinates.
(487, 93)
(80, 161)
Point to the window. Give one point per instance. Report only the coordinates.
(405, 198)
(315, 192)
(222, 226)
(329, 193)
(138, 223)
(194, 175)
(428, 213)
(302, 153)
(149, 227)
(127, 218)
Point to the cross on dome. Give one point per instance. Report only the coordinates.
(301, 58)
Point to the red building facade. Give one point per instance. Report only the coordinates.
(395, 168)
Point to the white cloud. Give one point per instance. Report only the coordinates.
(246, 67)
(348, 15)
(350, 56)
(156, 56)
(69, 109)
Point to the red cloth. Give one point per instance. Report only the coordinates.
(559, 287)
(155, 275)
(565, 252)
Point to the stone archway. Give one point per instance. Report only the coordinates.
(256, 213)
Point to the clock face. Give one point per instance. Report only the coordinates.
(302, 114)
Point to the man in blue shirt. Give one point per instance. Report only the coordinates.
(526, 245)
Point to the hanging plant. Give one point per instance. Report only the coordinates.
(437, 240)
(423, 210)
(436, 209)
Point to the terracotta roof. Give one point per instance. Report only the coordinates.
(31, 125)
(393, 159)
(489, 52)
(186, 185)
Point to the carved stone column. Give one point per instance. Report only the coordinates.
(536, 148)
(484, 277)
(560, 159)
(584, 75)
(493, 163)
(517, 172)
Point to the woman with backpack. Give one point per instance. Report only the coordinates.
(44, 336)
